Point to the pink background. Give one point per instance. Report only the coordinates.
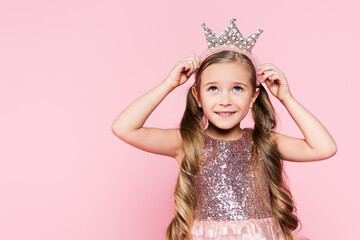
(68, 68)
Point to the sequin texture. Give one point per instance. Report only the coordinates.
(226, 186)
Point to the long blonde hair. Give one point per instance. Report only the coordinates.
(264, 148)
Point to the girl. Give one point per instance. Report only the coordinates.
(230, 183)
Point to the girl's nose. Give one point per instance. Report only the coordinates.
(225, 99)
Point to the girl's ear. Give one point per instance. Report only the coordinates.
(253, 99)
(194, 93)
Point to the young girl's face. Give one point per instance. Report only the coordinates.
(225, 87)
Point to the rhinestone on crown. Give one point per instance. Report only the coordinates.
(231, 36)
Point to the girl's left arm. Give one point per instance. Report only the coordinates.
(318, 143)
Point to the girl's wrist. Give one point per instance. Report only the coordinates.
(168, 85)
(287, 99)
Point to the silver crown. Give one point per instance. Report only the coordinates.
(231, 36)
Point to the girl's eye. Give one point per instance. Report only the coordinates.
(211, 88)
(239, 89)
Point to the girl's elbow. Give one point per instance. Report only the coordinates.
(116, 131)
(325, 152)
(331, 151)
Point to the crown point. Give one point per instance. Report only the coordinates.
(231, 36)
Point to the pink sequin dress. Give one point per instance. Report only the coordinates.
(228, 202)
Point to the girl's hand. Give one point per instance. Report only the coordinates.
(182, 70)
(275, 80)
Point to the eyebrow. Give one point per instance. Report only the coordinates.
(238, 83)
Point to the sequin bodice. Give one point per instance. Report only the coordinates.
(226, 186)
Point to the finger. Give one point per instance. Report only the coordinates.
(187, 61)
(264, 65)
(192, 68)
(268, 83)
(195, 61)
(269, 67)
(192, 64)
(281, 79)
(273, 71)
(194, 58)
(185, 66)
(262, 69)
(268, 75)
(274, 77)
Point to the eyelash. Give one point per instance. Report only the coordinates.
(234, 87)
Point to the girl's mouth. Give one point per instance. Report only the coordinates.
(225, 114)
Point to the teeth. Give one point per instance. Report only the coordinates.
(227, 113)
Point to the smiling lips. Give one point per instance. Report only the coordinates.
(224, 114)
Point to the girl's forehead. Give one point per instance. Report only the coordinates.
(225, 73)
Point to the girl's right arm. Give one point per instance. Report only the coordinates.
(128, 126)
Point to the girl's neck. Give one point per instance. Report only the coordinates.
(226, 134)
